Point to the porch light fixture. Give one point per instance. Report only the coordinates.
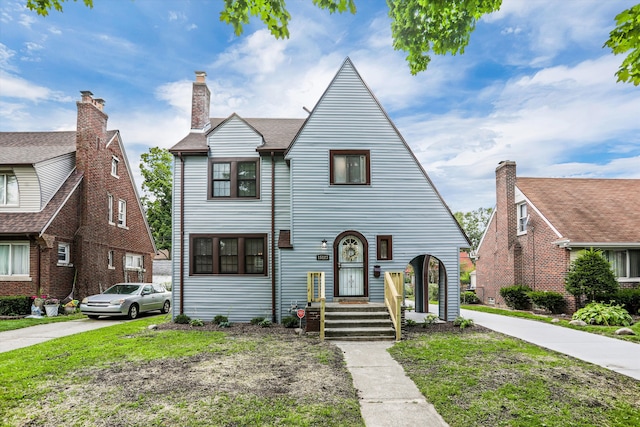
(324, 244)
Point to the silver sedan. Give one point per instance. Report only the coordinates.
(128, 299)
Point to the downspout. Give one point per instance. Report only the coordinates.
(181, 233)
(273, 238)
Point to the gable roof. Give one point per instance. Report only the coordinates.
(21, 223)
(585, 210)
(277, 134)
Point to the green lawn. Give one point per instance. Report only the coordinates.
(11, 324)
(608, 331)
(130, 375)
(486, 379)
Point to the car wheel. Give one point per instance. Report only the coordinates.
(133, 311)
(165, 307)
(92, 316)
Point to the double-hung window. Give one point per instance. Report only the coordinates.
(122, 213)
(110, 207)
(625, 263)
(228, 254)
(234, 178)
(64, 253)
(350, 167)
(8, 189)
(14, 259)
(522, 218)
(114, 166)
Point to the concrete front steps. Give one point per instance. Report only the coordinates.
(358, 322)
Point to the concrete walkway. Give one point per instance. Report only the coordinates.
(387, 396)
(611, 353)
(19, 338)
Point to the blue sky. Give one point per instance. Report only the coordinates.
(534, 86)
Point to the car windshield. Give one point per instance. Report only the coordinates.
(122, 289)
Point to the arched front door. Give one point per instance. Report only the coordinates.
(351, 255)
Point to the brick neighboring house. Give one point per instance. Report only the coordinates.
(70, 211)
(541, 224)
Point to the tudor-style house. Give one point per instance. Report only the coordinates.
(540, 225)
(260, 203)
(70, 216)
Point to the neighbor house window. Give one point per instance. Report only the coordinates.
(14, 259)
(625, 262)
(8, 189)
(64, 253)
(110, 207)
(110, 258)
(114, 166)
(133, 262)
(522, 218)
(122, 213)
(384, 247)
(234, 178)
(228, 254)
(350, 167)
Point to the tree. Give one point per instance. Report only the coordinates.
(591, 275)
(156, 171)
(473, 223)
(418, 27)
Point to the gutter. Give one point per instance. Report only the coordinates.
(273, 238)
(568, 244)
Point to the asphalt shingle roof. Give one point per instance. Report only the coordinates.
(33, 147)
(588, 210)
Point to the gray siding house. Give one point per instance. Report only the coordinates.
(259, 203)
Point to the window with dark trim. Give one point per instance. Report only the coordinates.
(229, 254)
(234, 178)
(350, 167)
(384, 245)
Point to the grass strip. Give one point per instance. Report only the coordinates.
(12, 324)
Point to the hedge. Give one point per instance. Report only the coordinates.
(15, 305)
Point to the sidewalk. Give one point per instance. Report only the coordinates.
(19, 338)
(611, 353)
(388, 398)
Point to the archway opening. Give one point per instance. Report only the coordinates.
(429, 284)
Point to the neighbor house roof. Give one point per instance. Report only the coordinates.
(277, 134)
(21, 223)
(587, 210)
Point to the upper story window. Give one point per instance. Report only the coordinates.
(234, 178)
(228, 254)
(350, 167)
(110, 258)
(523, 218)
(122, 213)
(110, 207)
(625, 263)
(8, 189)
(133, 262)
(14, 258)
(114, 166)
(64, 253)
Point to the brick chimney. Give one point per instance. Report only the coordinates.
(200, 101)
(507, 221)
(91, 134)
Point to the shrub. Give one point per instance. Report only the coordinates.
(430, 319)
(411, 322)
(220, 319)
(469, 297)
(463, 323)
(290, 322)
(196, 322)
(224, 324)
(265, 323)
(629, 299)
(256, 320)
(590, 275)
(15, 305)
(516, 297)
(597, 313)
(182, 319)
(552, 301)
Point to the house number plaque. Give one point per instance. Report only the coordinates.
(322, 257)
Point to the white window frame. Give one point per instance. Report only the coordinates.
(610, 256)
(110, 202)
(134, 262)
(110, 257)
(9, 274)
(122, 213)
(67, 253)
(114, 166)
(4, 189)
(521, 209)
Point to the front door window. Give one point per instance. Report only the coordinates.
(351, 266)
